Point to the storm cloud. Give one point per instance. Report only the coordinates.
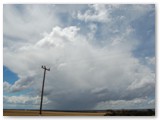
(92, 57)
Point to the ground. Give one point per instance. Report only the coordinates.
(147, 112)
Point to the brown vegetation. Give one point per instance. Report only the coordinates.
(49, 113)
(146, 112)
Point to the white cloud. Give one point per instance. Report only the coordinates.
(82, 72)
(21, 84)
(122, 104)
(58, 37)
(104, 13)
(6, 86)
(93, 30)
(110, 67)
(27, 23)
(151, 60)
(97, 12)
(24, 100)
(151, 102)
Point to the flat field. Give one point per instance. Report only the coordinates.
(146, 112)
(49, 113)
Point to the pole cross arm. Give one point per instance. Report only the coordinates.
(44, 67)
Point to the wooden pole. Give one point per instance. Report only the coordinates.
(43, 67)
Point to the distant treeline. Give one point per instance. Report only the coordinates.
(144, 112)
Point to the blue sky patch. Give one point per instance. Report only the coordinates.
(9, 76)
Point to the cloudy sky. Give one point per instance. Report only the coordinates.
(100, 56)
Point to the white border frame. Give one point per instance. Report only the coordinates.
(156, 2)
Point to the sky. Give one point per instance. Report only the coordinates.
(100, 56)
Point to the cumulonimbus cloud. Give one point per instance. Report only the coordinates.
(83, 75)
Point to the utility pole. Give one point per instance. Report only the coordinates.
(43, 67)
